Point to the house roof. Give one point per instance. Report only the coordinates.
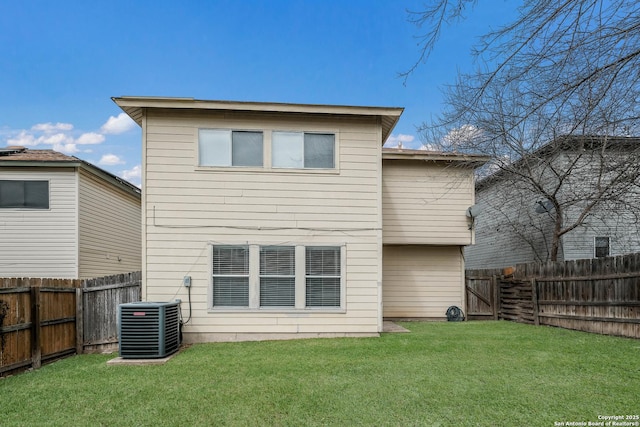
(135, 106)
(16, 156)
(567, 143)
(472, 160)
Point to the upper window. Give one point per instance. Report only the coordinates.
(24, 194)
(602, 247)
(221, 147)
(303, 150)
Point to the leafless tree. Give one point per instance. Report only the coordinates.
(555, 94)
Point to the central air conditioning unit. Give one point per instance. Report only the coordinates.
(148, 330)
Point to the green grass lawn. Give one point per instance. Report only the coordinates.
(442, 374)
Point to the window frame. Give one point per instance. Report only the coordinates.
(24, 183)
(309, 276)
(304, 133)
(266, 275)
(213, 275)
(300, 280)
(230, 133)
(596, 247)
(267, 151)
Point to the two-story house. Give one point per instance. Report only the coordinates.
(62, 217)
(596, 183)
(273, 220)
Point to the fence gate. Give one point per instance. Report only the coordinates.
(482, 297)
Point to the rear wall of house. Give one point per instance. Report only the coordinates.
(190, 208)
(426, 203)
(424, 229)
(422, 281)
(41, 242)
(109, 229)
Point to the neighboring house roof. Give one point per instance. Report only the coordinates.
(16, 156)
(566, 143)
(134, 106)
(471, 160)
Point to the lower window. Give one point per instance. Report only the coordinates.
(277, 276)
(322, 276)
(231, 276)
(294, 277)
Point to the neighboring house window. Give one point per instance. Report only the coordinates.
(303, 150)
(24, 194)
(221, 147)
(602, 247)
(323, 276)
(231, 276)
(277, 276)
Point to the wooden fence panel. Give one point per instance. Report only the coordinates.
(593, 295)
(45, 319)
(101, 299)
(481, 297)
(15, 327)
(57, 321)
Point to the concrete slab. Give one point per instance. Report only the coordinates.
(388, 326)
(140, 362)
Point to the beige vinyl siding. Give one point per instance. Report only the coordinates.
(422, 281)
(41, 242)
(109, 229)
(426, 203)
(188, 208)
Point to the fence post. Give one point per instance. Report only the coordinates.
(496, 298)
(79, 320)
(534, 297)
(36, 349)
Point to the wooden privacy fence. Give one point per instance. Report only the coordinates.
(593, 295)
(46, 319)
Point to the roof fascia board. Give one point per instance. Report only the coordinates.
(476, 161)
(191, 103)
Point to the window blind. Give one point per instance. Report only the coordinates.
(231, 276)
(323, 276)
(277, 276)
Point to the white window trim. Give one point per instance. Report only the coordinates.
(200, 167)
(304, 132)
(595, 247)
(300, 287)
(267, 151)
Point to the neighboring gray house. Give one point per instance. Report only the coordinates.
(62, 217)
(514, 224)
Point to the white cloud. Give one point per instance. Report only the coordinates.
(400, 140)
(461, 135)
(68, 148)
(110, 160)
(90, 138)
(55, 139)
(50, 127)
(117, 125)
(133, 174)
(24, 139)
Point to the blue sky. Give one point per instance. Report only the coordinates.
(62, 61)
